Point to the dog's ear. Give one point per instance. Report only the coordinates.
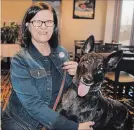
(88, 45)
(112, 60)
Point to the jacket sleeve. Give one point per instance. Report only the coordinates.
(30, 98)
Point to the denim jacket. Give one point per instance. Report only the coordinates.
(32, 88)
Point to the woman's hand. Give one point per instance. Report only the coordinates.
(86, 126)
(71, 67)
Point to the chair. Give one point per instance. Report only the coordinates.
(71, 56)
(99, 41)
(78, 45)
(97, 44)
(120, 78)
(99, 48)
(109, 47)
(127, 48)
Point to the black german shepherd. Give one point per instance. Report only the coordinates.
(84, 102)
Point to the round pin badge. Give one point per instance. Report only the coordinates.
(61, 54)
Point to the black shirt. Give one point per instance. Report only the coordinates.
(56, 84)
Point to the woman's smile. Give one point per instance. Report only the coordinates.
(43, 33)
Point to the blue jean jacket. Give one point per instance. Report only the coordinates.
(32, 88)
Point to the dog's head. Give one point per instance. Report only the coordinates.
(92, 68)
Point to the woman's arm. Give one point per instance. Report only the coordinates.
(31, 100)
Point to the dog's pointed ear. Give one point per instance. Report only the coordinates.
(89, 44)
(112, 60)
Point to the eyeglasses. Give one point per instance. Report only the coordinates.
(38, 23)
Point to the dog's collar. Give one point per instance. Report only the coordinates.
(96, 90)
(86, 84)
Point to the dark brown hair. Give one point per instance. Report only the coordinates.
(31, 12)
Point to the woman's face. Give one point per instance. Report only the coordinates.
(41, 32)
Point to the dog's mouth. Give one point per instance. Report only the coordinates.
(84, 86)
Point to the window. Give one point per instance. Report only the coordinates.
(126, 22)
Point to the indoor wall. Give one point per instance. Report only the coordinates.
(71, 29)
(80, 29)
(14, 10)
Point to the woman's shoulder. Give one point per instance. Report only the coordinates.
(20, 55)
(22, 52)
(61, 49)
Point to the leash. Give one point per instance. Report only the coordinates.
(60, 91)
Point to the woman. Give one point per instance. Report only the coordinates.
(36, 75)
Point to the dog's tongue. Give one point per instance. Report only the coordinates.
(83, 89)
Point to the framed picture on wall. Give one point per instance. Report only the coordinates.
(84, 9)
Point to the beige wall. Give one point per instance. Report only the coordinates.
(75, 29)
(14, 10)
(71, 29)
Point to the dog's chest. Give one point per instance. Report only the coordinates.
(70, 100)
(85, 109)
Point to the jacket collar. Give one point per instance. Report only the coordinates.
(36, 54)
(54, 56)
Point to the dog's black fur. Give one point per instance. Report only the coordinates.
(108, 114)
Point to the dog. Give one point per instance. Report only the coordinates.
(84, 102)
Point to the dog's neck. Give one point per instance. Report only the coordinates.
(93, 94)
(96, 88)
